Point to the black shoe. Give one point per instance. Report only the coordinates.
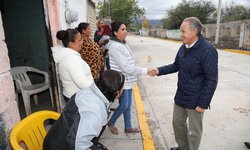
(247, 144)
(174, 148)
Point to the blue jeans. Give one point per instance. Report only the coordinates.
(124, 107)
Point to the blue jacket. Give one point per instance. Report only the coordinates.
(197, 76)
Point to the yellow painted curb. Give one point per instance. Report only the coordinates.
(237, 51)
(147, 140)
(170, 40)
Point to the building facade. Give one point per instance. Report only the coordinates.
(27, 32)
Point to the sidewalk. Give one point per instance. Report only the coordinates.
(123, 141)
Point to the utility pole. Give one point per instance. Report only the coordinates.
(109, 9)
(218, 23)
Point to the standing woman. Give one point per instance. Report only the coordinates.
(90, 51)
(99, 31)
(74, 72)
(122, 59)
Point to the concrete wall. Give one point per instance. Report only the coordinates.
(173, 34)
(9, 114)
(158, 33)
(235, 34)
(144, 32)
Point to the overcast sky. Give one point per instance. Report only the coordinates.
(156, 9)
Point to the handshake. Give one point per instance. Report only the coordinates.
(153, 72)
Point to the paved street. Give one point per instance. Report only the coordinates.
(226, 124)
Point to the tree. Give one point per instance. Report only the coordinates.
(145, 23)
(200, 9)
(122, 10)
(235, 12)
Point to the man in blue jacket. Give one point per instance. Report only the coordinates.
(197, 66)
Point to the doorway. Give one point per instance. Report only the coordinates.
(27, 39)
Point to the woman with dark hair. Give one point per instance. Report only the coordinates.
(74, 72)
(85, 114)
(90, 51)
(122, 59)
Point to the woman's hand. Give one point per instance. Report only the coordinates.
(153, 72)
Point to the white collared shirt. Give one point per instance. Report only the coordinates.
(189, 46)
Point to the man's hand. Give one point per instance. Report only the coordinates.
(199, 109)
(153, 72)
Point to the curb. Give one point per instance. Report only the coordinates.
(237, 51)
(147, 140)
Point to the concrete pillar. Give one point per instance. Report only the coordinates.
(242, 34)
(9, 114)
(218, 23)
(53, 13)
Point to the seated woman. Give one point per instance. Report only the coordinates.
(85, 114)
(74, 72)
(90, 51)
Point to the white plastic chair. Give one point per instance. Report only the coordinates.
(25, 86)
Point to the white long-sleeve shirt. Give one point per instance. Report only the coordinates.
(74, 72)
(122, 59)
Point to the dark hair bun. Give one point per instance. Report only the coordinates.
(61, 34)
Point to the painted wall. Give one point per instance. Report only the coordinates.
(25, 33)
(91, 17)
(77, 5)
(9, 114)
(52, 15)
(55, 15)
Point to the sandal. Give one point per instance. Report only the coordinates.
(132, 130)
(113, 129)
(112, 109)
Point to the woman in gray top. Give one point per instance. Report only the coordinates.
(122, 59)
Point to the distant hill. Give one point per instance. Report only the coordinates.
(155, 22)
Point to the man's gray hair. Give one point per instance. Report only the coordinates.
(194, 23)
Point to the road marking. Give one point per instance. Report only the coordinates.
(237, 51)
(147, 140)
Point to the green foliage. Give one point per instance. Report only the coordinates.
(200, 9)
(122, 10)
(235, 12)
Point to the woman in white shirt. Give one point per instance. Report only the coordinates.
(74, 72)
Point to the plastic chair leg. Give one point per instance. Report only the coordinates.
(16, 98)
(51, 96)
(35, 99)
(26, 101)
